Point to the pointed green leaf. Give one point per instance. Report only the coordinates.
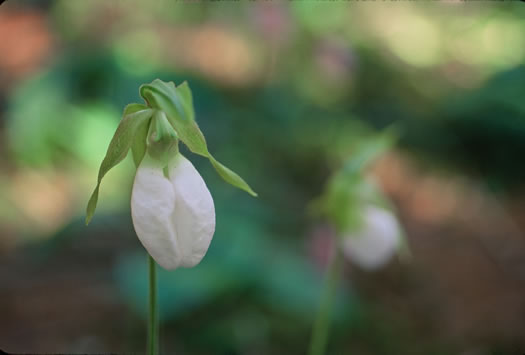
(119, 146)
(177, 103)
(231, 177)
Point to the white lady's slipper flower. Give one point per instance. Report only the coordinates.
(376, 242)
(174, 216)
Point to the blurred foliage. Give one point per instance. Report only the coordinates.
(242, 260)
(485, 130)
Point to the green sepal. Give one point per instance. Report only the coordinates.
(134, 115)
(177, 103)
(231, 177)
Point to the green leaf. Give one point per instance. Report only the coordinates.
(231, 177)
(134, 115)
(177, 103)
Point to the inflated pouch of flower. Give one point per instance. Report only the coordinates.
(171, 207)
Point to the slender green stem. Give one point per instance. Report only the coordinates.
(153, 322)
(322, 323)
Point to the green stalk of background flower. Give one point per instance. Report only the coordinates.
(321, 327)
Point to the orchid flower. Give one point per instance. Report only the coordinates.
(367, 229)
(171, 207)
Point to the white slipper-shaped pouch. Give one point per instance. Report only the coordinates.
(376, 242)
(174, 216)
(194, 211)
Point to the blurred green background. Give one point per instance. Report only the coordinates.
(283, 90)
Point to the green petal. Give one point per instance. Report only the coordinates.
(231, 177)
(134, 115)
(178, 105)
(138, 147)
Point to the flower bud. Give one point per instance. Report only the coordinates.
(173, 216)
(376, 241)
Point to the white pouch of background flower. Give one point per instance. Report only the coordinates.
(376, 241)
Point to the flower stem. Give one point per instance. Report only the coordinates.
(322, 323)
(153, 322)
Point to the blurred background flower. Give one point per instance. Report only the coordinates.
(282, 90)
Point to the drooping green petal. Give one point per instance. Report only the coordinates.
(138, 147)
(177, 103)
(178, 106)
(134, 115)
(231, 177)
